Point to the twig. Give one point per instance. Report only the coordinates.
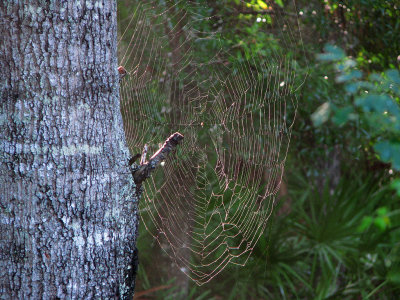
(144, 171)
(122, 72)
(144, 154)
(133, 159)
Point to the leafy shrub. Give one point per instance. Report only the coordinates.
(373, 103)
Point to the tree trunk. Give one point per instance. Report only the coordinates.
(68, 206)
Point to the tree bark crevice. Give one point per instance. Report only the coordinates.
(68, 209)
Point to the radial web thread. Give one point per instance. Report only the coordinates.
(210, 202)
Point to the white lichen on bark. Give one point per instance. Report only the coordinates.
(68, 208)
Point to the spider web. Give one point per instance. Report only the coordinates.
(209, 203)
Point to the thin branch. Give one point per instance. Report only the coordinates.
(133, 159)
(144, 155)
(122, 72)
(145, 170)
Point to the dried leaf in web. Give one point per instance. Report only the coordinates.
(208, 205)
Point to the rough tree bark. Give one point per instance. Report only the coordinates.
(68, 207)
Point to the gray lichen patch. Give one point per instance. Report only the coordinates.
(67, 201)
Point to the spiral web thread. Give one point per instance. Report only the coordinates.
(210, 202)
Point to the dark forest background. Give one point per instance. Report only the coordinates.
(335, 233)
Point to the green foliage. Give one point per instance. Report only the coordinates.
(396, 186)
(322, 248)
(373, 103)
(368, 29)
(339, 240)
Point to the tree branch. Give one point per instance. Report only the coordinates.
(145, 170)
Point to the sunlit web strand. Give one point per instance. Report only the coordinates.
(210, 203)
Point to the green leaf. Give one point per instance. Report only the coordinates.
(365, 223)
(333, 53)
(355, 74)
(279, 2)
(345, 65)
(393, 75)
(378, 103)
(394, 276)
(375, 77)
(262, 4)
(342, 115)
(389, 152)
(382, 211)
(321, 115)
(381, 223)
(351, 88)
(349, 63)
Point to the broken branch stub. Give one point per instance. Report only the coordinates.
(121, 72)
(145, 170)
